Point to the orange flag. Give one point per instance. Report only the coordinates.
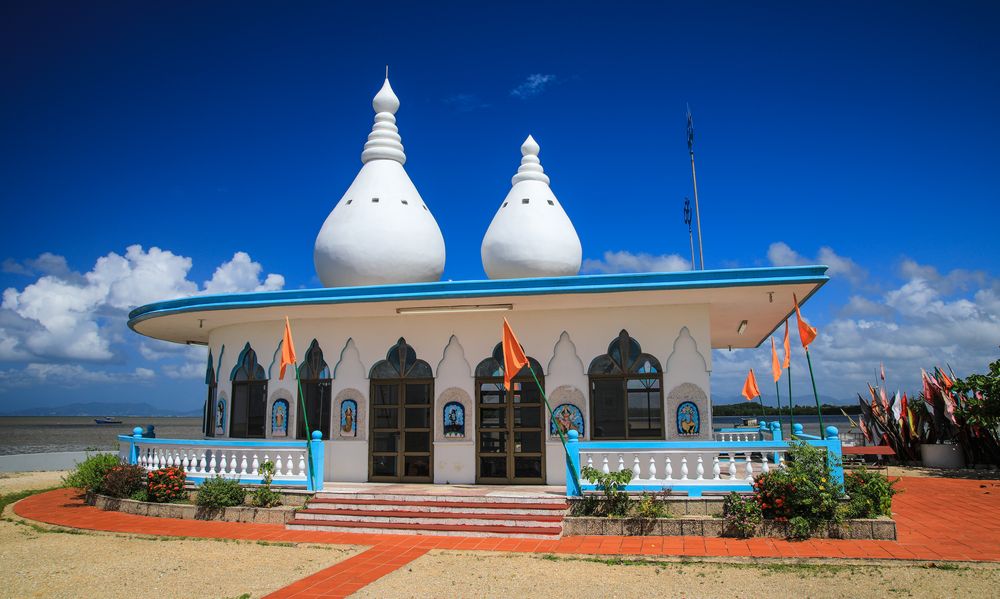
(750, 390)
(788, 349)
(775, 363)
(513, 356)
(287, 351)
(807, 333)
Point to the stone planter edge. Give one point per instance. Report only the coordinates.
(278, 515)
(880, 529)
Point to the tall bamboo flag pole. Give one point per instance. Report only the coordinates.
(807, 334)
(513, 361)
(776, 373)
(788, 371)
(694, 181)
(288, 359)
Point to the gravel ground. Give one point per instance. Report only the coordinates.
(44, 561)
(453, 575)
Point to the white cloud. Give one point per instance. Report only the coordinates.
(72, 316)
(624, 261)
(68, 376)
(533, 85)
(780, 254)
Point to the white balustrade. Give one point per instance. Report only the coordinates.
(206, 460)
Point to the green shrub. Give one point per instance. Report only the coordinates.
(870, 494)
(803, 489)
(616, 501)
(140, 495)
(650, 507)
(123, 480)
(263, 496)
(742, 514)
(89, 474)
(220, 492)
(800, 527)
(166, 485)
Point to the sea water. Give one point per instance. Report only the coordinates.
(43, 434)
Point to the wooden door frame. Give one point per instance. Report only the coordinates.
(400, 383)
(509, 405)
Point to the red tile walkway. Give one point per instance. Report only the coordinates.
(937, 519)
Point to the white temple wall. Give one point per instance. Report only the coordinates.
(563, 341)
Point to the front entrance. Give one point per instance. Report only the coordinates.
(510, 435)
(402, 434)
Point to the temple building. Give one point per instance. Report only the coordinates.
(402, 373)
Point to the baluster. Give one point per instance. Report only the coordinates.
(201, 463)
(700, 469)
(243, 463)
(781, 460)
(278, 466)
(763, 465)
(604, 465)
(266, 459)
(732, 466)
(749, 466)
(232, 463)
(652, 468)
(684, 468)
(716, 471)
(154, 458)
(254, 466)
(212, 464)
(636, 473)
(590, 460)
(668, 470)
(302, 464)
(621, 463)
(288, 466)
(185, 463)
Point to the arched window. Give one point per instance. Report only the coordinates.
(314, 374)
(249, 402)
(626, 397)
(208, 426)
(402, 395)
(510, 440)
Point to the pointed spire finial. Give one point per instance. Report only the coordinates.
(384, 141)
(531, 167)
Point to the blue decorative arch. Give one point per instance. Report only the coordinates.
(279, 418)
(688, 419)
(247, 362)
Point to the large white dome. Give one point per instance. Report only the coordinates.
(381, 231)
(531, 235)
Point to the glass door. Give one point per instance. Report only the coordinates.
(510, 440)
(401, 432)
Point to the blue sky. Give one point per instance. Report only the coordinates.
(862, 135)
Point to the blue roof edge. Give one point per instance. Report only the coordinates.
(605, 283)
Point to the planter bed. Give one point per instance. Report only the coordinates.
(882, 529)
(186, 511)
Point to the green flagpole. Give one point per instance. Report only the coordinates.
(552, 415)
(777, 395)
(791, 404)
(305, 422)
(819, 412)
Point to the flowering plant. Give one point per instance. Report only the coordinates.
(166, 485)
(802, 491)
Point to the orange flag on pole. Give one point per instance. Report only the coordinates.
(775, 363)
(513, 356)
(287, 351)
(750, 390)
(807, 333)
(788, 349)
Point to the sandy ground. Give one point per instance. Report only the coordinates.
(43, 561)
(453, 574)
(11, 482)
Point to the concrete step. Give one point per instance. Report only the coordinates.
(512, 498)
(468, 507)
(461, 530)
(408, 517)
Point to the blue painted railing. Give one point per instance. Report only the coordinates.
(231, 458)
(694, 467)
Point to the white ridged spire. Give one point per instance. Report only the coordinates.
(384, 142)
(531, 167)
(531, 235)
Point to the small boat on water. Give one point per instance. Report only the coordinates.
(107, 420)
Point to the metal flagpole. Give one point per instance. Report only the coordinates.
(777, 395)
(687, 221)
(552, 415)
(791, 404)
(305, 422)
(694, 181)
(819, 411)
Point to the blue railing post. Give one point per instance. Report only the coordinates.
(572, 464)
(776, 431)
(796, 430)
(834, 454)
(316, 449)
(133, 451)
(761, 430)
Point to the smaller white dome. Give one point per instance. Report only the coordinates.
(531, 235)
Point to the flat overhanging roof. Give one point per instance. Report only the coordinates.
(761, 296)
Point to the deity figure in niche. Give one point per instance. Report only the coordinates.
(348, 418)
(567, 418)
(220, 416)
(454, 419)
(687, 419)
(279, 418)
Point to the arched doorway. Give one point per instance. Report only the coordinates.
(626, 393)
(402, 395)
(314, 375)
(249, 404)
(510, 436)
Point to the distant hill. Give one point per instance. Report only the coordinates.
(802, 397)
(100, 408)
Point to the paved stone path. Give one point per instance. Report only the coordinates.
(937, 519)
